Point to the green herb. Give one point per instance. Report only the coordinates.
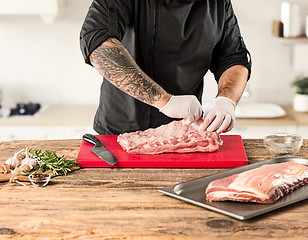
(49, 160)
(301, 85)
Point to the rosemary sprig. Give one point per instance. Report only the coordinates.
(49, 160)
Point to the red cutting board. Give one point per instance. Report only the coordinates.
(231, 154)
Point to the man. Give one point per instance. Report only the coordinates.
(153, 55)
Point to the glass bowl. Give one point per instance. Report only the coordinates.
(39, 179)
(279, 144)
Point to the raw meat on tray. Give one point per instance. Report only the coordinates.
(176, 136)
(265, 184)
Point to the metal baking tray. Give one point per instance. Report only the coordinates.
(194, 192)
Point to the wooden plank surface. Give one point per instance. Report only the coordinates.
(124, 204)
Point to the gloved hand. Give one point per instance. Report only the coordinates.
(219, 116)
(184, 106)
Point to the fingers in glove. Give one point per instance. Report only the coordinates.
(209, 117)
(231, 126)
(190, 119)
(216, 123)
(195, 113)
(225, 124)
(198, 113)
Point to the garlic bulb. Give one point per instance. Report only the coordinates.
(14, 162)
(29, 162)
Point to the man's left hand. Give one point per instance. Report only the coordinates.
(219, 116)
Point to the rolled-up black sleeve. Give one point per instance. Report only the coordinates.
(105, 19)
(231, 49)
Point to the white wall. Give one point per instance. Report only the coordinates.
(272, 70)
(42, 62)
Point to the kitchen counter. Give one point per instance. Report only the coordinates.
(51, 122)
(292, 122)
(72, 121)
(98, 203)
(291, 118)
(84, 115)
(56, 115)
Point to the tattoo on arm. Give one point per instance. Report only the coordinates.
(114, 62)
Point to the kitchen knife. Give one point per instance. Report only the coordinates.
(99, 150)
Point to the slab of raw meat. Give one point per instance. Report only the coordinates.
(176, 136)
(265, 184)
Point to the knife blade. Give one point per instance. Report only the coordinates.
(99, 149)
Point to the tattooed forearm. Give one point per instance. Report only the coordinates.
(113, 61)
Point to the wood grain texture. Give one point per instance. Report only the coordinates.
(97, 203)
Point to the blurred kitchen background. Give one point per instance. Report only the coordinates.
(42, 69)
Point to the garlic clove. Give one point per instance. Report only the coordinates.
(13, 162)
(28, 161)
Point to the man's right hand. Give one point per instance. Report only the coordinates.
(184, 106)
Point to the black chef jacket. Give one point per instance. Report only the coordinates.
(174, 42)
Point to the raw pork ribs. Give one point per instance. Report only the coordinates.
(265, 184)
(173, 137)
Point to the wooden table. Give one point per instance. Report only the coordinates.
(124, 204)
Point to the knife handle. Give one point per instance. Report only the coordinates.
(92, 139)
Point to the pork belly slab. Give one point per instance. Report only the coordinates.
(265, 184)
(176, 136)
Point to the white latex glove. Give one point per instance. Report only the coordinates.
(219, 116)
(184, 106)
